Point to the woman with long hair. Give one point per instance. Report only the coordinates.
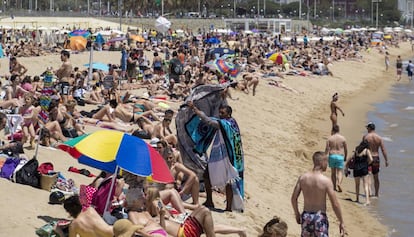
(362, 158)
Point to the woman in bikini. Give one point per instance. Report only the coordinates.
(334, 108)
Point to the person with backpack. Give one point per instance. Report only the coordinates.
(176, 68)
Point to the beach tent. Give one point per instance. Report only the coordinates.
(76, 43)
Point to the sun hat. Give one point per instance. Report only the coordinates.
(125, 228)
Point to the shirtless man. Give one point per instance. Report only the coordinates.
(375, 143)
(63, 74)
(17, 68)
(334, 108)
(337, 150)
(87, 223)
(315, 187)
(163, 131)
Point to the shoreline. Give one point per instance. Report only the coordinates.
(358, 104)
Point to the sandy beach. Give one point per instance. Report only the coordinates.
(280, 131)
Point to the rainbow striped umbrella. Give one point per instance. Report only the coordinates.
(108, 149)
(224, 67)
(278, 58)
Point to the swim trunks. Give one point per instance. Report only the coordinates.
(374, 167)
(190, 228)
(315, 224)
(336, 161)
(63, 88)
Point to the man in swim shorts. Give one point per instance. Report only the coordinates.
(315, 187)
(337, 150)
(375, 143)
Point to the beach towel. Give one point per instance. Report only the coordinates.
(232, 138)
(8, 167)
(226, 162)
(220, 169)
(191, 143)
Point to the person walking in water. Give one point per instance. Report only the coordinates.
(375, 143)
(399, 66)
(334, 109)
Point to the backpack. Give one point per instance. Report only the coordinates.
(28, 174)
(177, 67)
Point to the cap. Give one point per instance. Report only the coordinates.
(56, 197)
(371, 125)
(154, 142)
(125, 228)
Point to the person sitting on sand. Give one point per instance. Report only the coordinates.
(16, 68)
(87, 223)
(186, 181)
(275, 228)
(163, 131)
(198, 222)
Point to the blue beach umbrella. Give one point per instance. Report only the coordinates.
(98, 66)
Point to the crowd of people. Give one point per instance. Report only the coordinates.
(168, 73)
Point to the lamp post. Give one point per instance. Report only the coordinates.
(333, 10)
(120, 14)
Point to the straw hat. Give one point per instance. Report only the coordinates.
(125, 228)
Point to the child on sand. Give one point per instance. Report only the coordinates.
(27, 126)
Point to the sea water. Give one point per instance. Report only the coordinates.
(394, 121)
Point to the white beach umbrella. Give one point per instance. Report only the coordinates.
(42, 28)
(7, 27)
(54, 28)
(372, 29)
(355, 29)
(363, 29)
(103, 33)
(162, 24)
(61, 32)
(397, 29)
(286, 39)
(408, 31)
(347, 31)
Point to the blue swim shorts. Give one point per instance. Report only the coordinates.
(336, 161)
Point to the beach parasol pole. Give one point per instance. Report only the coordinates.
(90, 63)
(108, 200)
